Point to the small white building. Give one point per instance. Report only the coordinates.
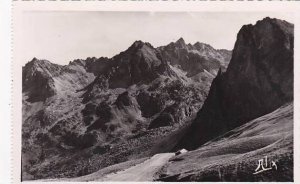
(181, 151)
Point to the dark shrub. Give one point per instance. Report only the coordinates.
(99, 124)
(101, 149)
(79, 141)
(88, 109)
(87, 120)
(104, 110)
(123, 100)
(162, 120)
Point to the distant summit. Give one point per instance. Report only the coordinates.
(180, 43)
(195, 58)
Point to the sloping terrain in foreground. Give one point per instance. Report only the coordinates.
(234, 156)
(144, 169)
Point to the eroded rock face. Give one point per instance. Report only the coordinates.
(258, 80)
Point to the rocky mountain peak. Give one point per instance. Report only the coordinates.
(137, 43)
(195, 58)
(37, 79)
(39, 63)
(140, 63)
(258, 80)
(267, 38)
(202, 46)
(137, 49)
(34, 59)
(268, 20)
(40, 67)
(140, 44)
(180, 43)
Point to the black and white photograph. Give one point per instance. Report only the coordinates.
(157, 96)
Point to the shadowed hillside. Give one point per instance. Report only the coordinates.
(258, 80)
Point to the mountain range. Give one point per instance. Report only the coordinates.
(92, 114)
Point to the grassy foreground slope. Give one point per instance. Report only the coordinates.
(234, 156)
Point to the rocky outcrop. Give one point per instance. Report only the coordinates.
(37, 79)
(140, 63)
(42, 79)
(259, 79)
(195, 58)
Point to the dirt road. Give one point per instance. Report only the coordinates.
(141, 172)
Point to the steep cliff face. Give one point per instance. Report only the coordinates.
(258, 80)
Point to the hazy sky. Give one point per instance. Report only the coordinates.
(64, 36)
